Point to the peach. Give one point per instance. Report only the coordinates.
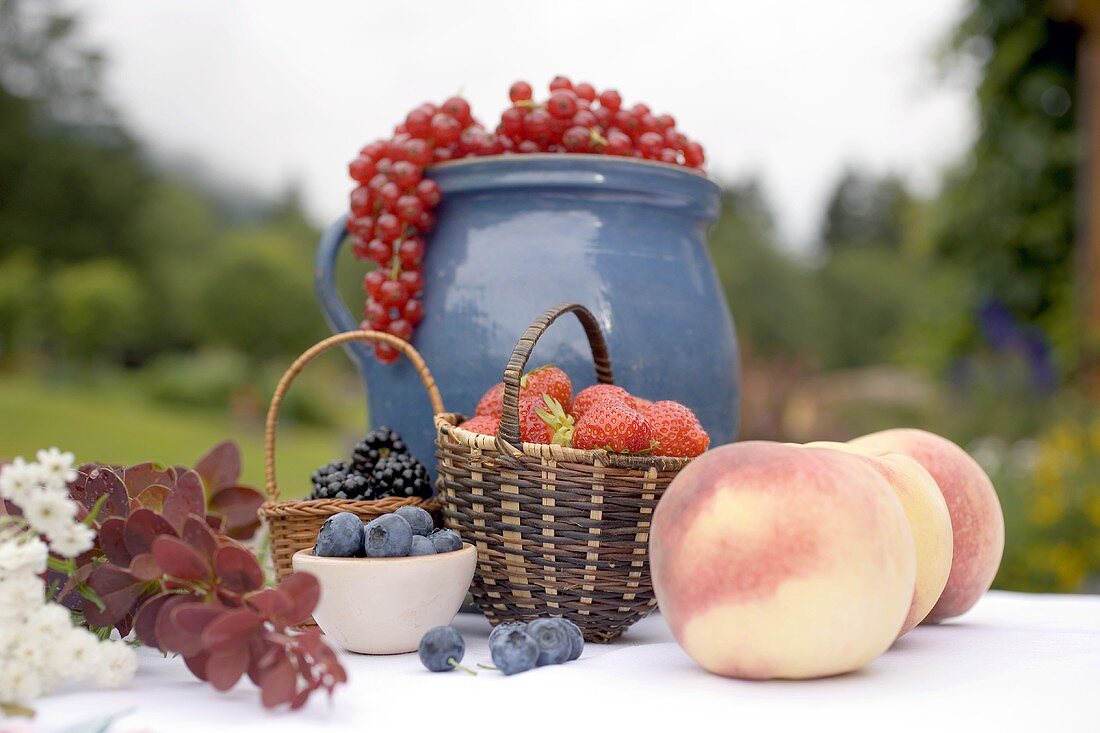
(976, 519)
(926, 509)
(779, 561)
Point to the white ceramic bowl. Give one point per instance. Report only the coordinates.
(384, 605)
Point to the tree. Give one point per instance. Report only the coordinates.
(865, 211)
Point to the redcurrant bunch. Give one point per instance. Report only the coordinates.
(392, 207)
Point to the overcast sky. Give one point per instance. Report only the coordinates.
(266, 93)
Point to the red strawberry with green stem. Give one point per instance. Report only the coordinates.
(613, 426)
(547, 380)
(676, 430)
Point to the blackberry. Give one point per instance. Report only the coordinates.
(399, 474)
(379, 443)
(323, 475)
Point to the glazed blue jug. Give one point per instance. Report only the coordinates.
(517, 234)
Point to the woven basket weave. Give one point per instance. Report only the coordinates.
(559, 531)
(293, 525)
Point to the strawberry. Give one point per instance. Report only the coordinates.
(640, 403)
(598, 393)
(547, 380)
(492, 402)
(676, 430)
(613, 426)
(484, 424)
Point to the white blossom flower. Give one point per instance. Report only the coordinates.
(78, 650)
(19, 685)
(20, 593)
(48, 512)
(18, 478)
(118, 662)
(50, 621)
(72, 540)
(56, 468)
(23, 555)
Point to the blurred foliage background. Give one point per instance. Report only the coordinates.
(146, 312)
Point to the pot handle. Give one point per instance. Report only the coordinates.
(339, 318)
(509, 419)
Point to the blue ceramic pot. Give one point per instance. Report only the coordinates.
(516, 235)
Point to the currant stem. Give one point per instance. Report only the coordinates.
(483, 665)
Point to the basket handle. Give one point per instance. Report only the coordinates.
(509, 419)
(309, 355)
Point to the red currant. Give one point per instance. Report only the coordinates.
(386, 354)
(604, 116)
(400, 328)
(359, 249)
(640, 109)
(611, 100)
(693, 155)
(361, 201)
(378, 316)
(413, 312)
(388, 195)
(650, 144)
(585, 118)
(585, 91)
(418, 152)
(409, 208)
(520, 92)
(618, 143)
(361, 226)
(372, 283)
(426, 222)
(537, 124)
(411, 251)
(511, 121)
(387, 227)
(561, 105)
(419, 123)
(413, 279)
(445, 129)
(361, 169)
(668, 155)
(666, 121)
(458, 108)
(377, 181)
(577, 139)
(527, 146)
(675, 139)
(373, 150)
(405, 174)
(393, 294)
(428, 191)
(441, 154)
(380, 252)
(384, 166)
(560, 82)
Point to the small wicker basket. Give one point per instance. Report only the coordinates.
(293, 525)
(559, 531)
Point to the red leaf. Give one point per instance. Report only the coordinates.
(214, 521)
(179, 560)
(238, 569)
(197, 534)
(304, 591)
(145, 622)
(113, 542)
(185, 500)
(142, 527)
(223, 670)
(140, 477)
(153, 497)
(145, 568)
(220, 467)
(231, 632)
(197, 664)
(117, 589)
(239, 506)
(278, 683)
(273, 604)
(93, 481)
(180, 629)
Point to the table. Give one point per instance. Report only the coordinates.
(1014, 662)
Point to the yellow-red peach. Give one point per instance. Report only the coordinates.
(779, 561)
(929, 520)
(977, 523)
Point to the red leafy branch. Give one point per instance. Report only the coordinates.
(166, 567)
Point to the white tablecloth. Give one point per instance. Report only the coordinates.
(1014, 662)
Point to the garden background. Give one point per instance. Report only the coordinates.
(147, 308)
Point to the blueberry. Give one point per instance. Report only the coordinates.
(341, 536)
(388, 536)
(441, 650)
(445, 540)
(576, 638)
(513, 649)
(553, 641)
(419, 519)
(499, 629)
(421, 546)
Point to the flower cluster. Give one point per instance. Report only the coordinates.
(39, 644)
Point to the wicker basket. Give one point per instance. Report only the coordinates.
(293, 525)
(559, 531)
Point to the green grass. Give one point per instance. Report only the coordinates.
(114, 422)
